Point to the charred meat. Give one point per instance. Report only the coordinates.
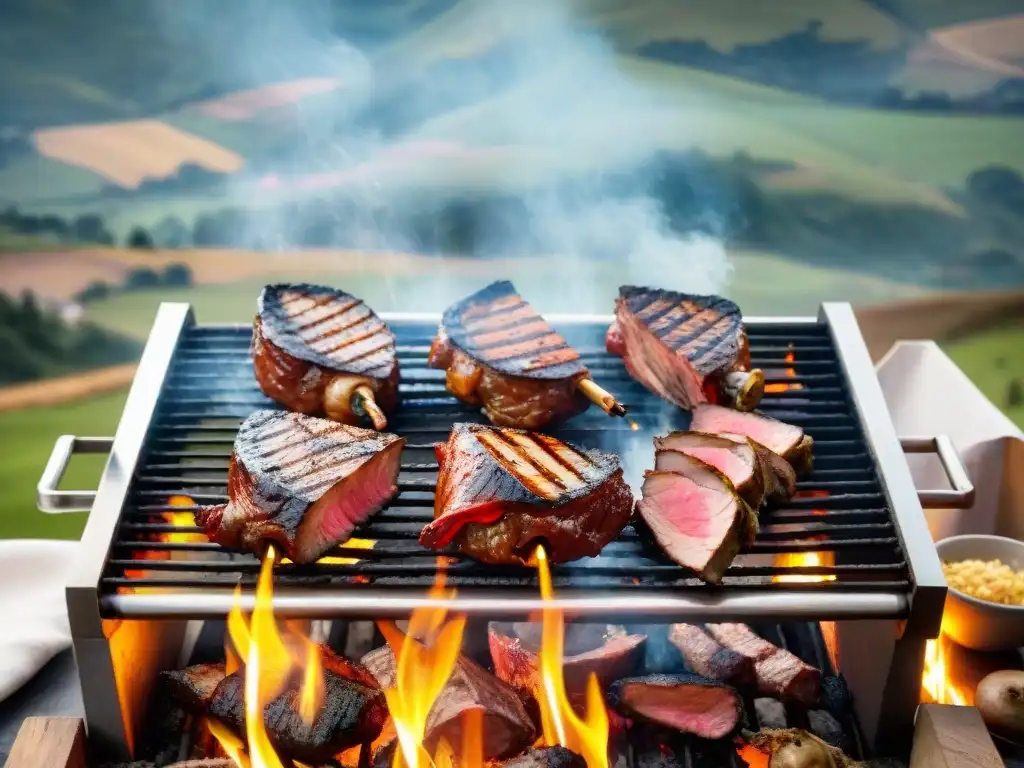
(507, 728)
(706, 656)
(781, 438)
(688, 703)
(779, 673)
(696, 516)
(685, 348)
(321, 351)
(302, 483)
(351, 714)
(500, 354)
(501, 492)
(607, 651)
(736, 459)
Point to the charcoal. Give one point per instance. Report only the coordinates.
(828, 729)
(655, 747)
(771, 713)
(547, 757)
(193, 686)
(835, 697)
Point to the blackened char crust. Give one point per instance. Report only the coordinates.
(497, 327)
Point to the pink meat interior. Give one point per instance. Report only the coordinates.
(724, 460)
(333, 518)
(706, 711)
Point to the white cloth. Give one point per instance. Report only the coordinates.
(929, 395)
(33, 608)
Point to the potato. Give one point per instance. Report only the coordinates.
(1000, 700)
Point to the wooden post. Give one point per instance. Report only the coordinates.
(49, 742)
(952, 737)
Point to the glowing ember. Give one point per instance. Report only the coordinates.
(424, 660)
(183, 519)
(587, 736)
(802, 560)
(754, 758)
(633, 425)
(350, 544)
(936, 681)
(782, 386)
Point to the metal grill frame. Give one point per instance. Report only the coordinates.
(118, 659)
(86, 601)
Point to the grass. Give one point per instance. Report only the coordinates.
(932, 14)
(992, 359)
(28, 439)
(762, 284)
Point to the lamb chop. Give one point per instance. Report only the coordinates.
(696, 516)
(686, 348)
(321, 351)
(499, 353)
(302, 483)
(780, 438)
(501, 492)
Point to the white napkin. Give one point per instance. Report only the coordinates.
(928, 395)
(35, 613)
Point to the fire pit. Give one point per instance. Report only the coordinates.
(844, 575)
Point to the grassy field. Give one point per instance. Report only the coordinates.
(761, 283)
(28, 439)
(993, 359)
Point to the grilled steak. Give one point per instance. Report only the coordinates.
(193, 687)
(507, 728)
(302, 483)
(500, 354)
(706, 656)
(779, 672)
(779, 477)
(603, 650)
(696, 516)
(351, 714)
(547, 757)
(787, 441)
(501, 492)
(312, 346)
(688, 703)
(736, 459)
(685, 348)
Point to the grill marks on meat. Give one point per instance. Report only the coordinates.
(688, 703)
(779, 672)
(607, 651)
(736, 459)
(501, 492)
(788, 441)
(696, 516)
(499, 353)
(708, 657)
(302, 483)
(688, 349)
(313, 345)
(507, 727)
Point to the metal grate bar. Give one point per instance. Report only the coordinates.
(839, 509)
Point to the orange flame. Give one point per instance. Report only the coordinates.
(424, 660)
(587, 736)
(311, 697)
(782, 386)
(937, 681)
(472, 755)
(350, 544)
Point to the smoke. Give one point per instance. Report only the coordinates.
(495, 128)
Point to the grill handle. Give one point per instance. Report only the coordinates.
(48, 498)
(961, 496)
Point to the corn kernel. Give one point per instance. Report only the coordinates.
(991, 580)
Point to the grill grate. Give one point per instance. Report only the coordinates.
(210, 389)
